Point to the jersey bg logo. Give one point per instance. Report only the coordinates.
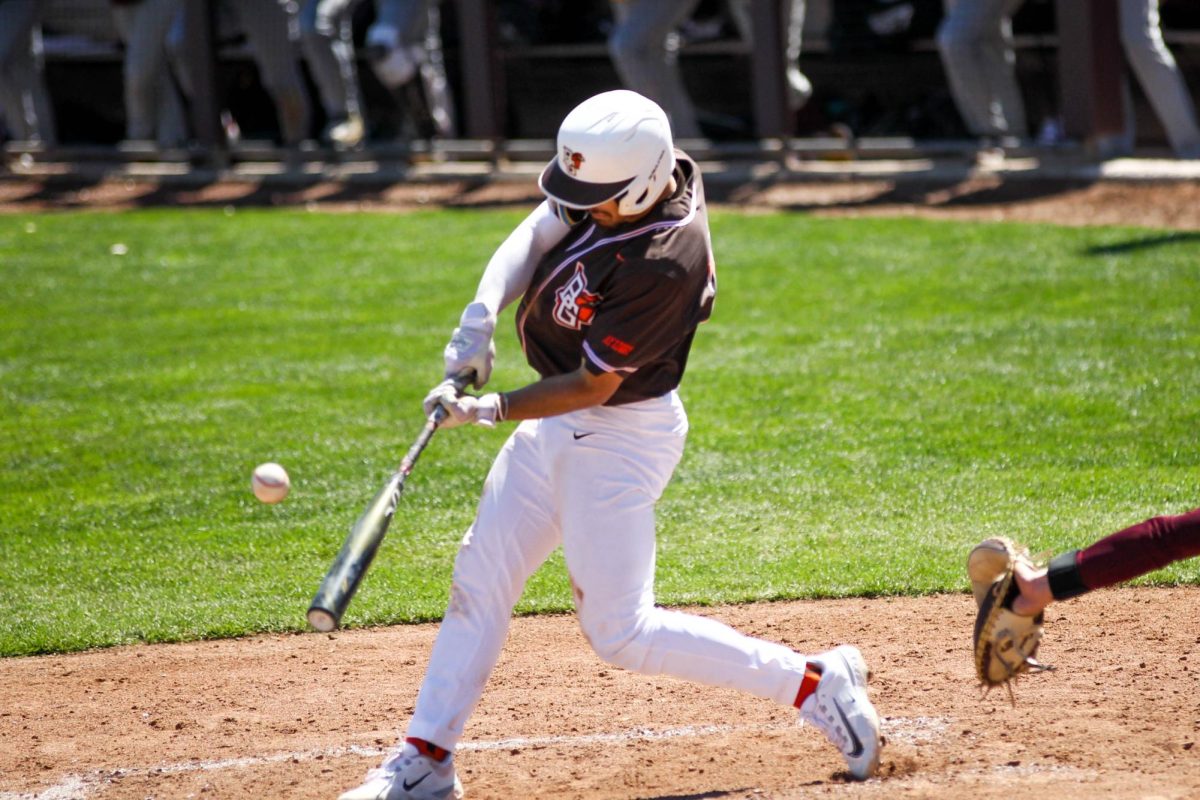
(574, 305)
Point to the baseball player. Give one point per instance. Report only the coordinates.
(614, 271)
(1126, 554)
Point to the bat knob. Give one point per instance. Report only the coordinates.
(321, 620)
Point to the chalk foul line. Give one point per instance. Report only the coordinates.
(75, 787)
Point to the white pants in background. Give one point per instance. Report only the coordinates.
(587, 480)
(1159, 75)
(644, 47)
(975, 42)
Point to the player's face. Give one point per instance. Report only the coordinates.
(606, 214)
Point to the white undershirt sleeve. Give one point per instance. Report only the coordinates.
(510, 269)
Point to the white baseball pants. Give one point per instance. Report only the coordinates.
(154, 107)
(1159, 75)
(975, 42)
(327, 40)
(644, 47)
(587, 480)
(25, 107)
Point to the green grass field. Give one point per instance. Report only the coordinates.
(870, 399)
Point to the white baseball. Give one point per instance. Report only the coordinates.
(270, 482)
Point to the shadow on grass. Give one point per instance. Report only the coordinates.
(955, 191)
(1143, 243)
(204, 189)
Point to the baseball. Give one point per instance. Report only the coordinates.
(270, 482)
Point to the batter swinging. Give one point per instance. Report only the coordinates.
(615, 271)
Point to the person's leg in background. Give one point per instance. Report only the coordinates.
(269, 25)
(327, 38)
(792, 12)
(404, 46)
(154, 108)
(644, 48)
(24, 100)
(975, 42)
(435, 87)
(1159, 75)
(799, 88)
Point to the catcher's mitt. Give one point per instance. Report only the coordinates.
(1005, 642)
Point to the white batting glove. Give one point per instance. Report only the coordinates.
(471, 346)
(464, 409)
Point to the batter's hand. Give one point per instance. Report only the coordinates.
(464, 409)
(471, 346)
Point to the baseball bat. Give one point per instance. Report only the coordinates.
(342, 579)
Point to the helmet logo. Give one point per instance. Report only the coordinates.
(572, 160)
(574, 305)
(657, 164)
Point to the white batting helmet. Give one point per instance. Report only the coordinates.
(614, 145)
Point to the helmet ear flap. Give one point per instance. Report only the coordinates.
(649, 186)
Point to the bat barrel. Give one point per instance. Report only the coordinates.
(341, 582)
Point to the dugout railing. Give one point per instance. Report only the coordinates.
(1080, 64)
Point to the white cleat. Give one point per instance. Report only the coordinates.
(841, 710)
(349, 133)
(408, 775)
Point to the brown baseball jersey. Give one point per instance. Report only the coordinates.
(625, 299)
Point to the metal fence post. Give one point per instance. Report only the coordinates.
(483, 81)
(767, 70)
(199, 48)
(1091, 74)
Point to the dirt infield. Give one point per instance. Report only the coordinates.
(303, 716)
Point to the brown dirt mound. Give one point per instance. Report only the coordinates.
(303, 716)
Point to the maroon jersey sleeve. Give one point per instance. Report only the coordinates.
(645, 315)
(1139, 549)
